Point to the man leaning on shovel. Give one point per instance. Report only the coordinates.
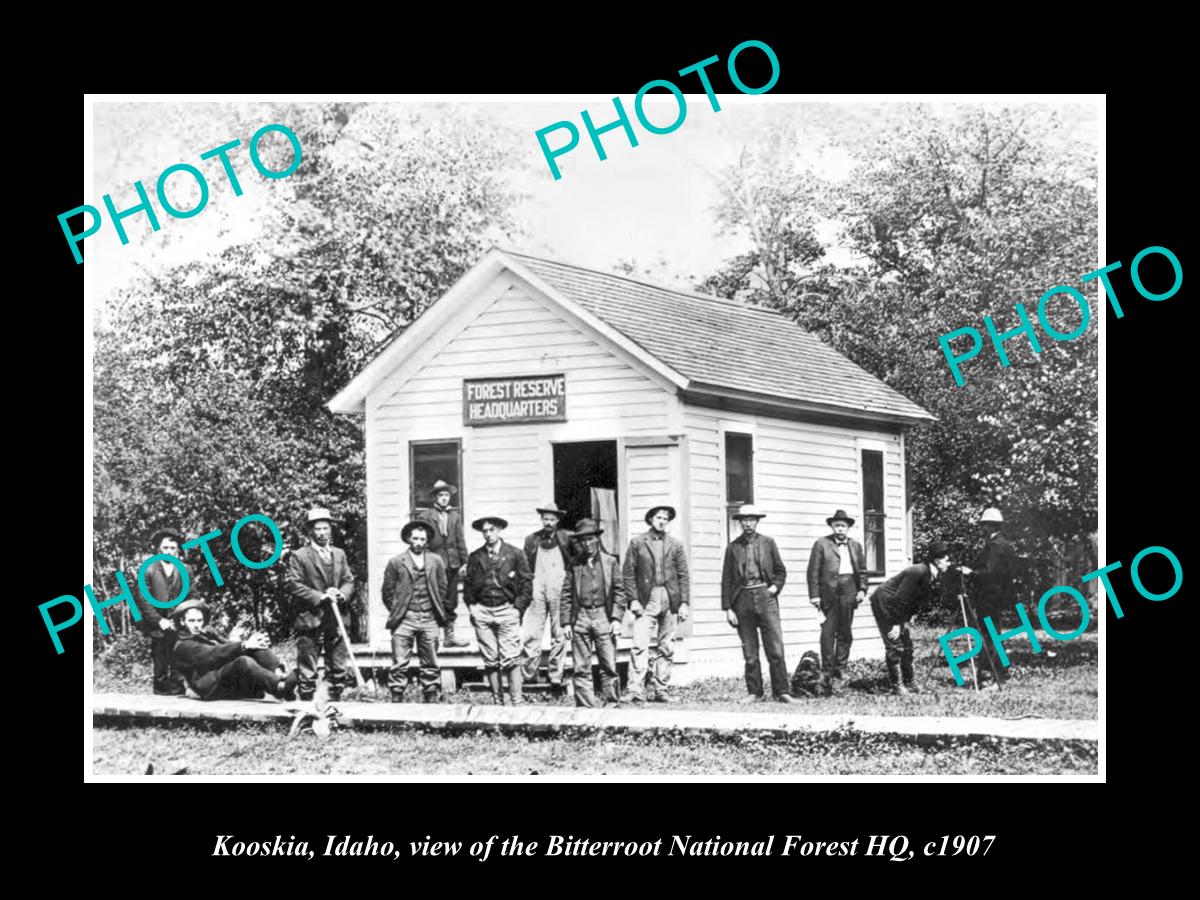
(319, 576)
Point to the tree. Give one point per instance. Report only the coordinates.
(211, 379)
(954, 218)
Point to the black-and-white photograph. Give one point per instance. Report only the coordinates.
(428, 445)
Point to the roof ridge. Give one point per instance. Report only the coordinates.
(729, 301)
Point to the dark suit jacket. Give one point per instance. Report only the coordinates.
(771, 563)
(453, 547)
(899, 597)
(199, 657)
(398, 587)
(823, 565)
(614, 592)
(163, 588)
(994, 570)
(516, 581)
(306, 586)
(533, 545)
(638, 572)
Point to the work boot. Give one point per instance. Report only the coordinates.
(434, 696)
(912, 687)
(900, 690)
(397, 696)
(515, 683)
(558, 690)
(448, 638)
(286, 689)
(785, 698)
(493, 679)
(335, 693)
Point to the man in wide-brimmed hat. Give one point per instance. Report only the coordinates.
(318, 575)
(993, 573)
(413, 590)
(751, 578)
(658, 592)
(220, 669)
(593, 605)
(447, 540)
(894, 603)
(549, 555)
(164, 581)
(837, 584)
(498, 586)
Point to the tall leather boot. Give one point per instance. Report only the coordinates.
(493, 678)
(516, 680)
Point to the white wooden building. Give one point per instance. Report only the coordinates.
(531, 380)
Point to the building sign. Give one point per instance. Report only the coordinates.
(509, 401)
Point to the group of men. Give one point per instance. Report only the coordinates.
(563, 578)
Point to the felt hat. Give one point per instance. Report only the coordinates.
(586, 528)
(551, 507)
(439, 486)
(317, 514)
(839, 516)
(749, 511)
(407, 530)
(936, 550)
(991, 514)
(652, 510)
(194, 603)
(157, 537)
(496, 520)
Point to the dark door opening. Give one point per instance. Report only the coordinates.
(579, 467)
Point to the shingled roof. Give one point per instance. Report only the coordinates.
(707, 346)
(719, 343)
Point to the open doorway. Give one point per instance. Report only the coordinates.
(585, 484)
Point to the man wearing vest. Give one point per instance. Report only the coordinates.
(413, 587)
(548, 552)
(657, 591)
(447, 540)
(895, 601)
(498, 586)
(165, 583)
(751, 578)
(318, 576)
(592, 608)
(837, 584)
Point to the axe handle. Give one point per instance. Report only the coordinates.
(349, 650)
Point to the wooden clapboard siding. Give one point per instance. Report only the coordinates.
(508, 470)
(802, 473)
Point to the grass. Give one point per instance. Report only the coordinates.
(1062, 686)
(249, 750)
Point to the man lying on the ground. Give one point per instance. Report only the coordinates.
(219, 669)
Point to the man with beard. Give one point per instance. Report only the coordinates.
(447, 540)
(413, 587)
(837, 584)
(548, 552)
(318, 576)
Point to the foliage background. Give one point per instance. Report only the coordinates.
(211, 374)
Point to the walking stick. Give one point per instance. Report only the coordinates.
(962, 601)
(350, 650)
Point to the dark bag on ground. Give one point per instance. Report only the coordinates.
(806, 681)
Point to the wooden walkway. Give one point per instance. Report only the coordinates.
(533, 719)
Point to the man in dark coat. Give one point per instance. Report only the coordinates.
(318, 576)
(497, 588)
(413, 590)
(993, 574)
(219, 669)
(751, 578)
(895, 601)
(837, 584)
(549, 555)
(658, 592)
(592, 608)
(447, 540)
(165, 583)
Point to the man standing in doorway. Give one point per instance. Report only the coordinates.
(837, 584)
(498, 586)
(592, 608)
(165, 583)
(548, 552)
(751, 579)
(657, 591)
(413, 587)
(447, 540)
(319, 576)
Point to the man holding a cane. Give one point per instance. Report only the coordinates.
(318, 576)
